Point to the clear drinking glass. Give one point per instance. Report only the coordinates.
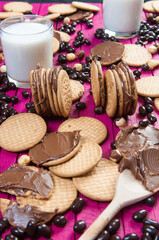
(121, 18)
(26, 41)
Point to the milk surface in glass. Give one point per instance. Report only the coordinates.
(122, 16)
(25, 44)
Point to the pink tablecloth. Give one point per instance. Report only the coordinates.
(92, 209)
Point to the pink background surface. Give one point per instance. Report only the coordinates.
(93, 208)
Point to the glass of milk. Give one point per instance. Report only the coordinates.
(26, 41)
(121, 18)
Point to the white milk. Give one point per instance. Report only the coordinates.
(25, 45)
(122, 16)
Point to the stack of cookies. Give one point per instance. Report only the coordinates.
(51, 91)
(115, 91)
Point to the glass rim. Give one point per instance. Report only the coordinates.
(27, 16)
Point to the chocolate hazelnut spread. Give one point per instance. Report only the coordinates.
(79, 15)
(140, 149)
(109, 51)
(21, 179)
(21, 216)
(54, 146)
(55, 74)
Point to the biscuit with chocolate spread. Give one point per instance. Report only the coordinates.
(64, 36)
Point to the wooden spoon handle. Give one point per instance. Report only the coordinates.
(100, 223)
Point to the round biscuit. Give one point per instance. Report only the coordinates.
(77, 90)
(62, 197)
(135, 55)
(4, 15)
(34, 91)
(155, 5)
(148, 6)
(52, 16)
(85, 6)
(111, 93)
(17, 7)
(62, 8)
(25, 130)
(95, 85)
(100, 183)
(86, 159)
(56, 45)
(120, 93)
(49, 90)
(148, 86)
(64, 36)
(90, 128)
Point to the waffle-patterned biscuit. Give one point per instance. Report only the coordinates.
(63, 9)
(64, 94)
(156, 103)
(77, 90)
(91, 128)
(155, 5)
(17, 7)
(52, 16)
(135, 55)
(62, 197)
(100, 183)
(119, 111)
(85, 6)
(49, 90)
(148, 86)
(4, 15)
(34, 91)
(148, 6)
(64, 36)
(87, 158)
(56, 45)
(25, 130)
(111, 93)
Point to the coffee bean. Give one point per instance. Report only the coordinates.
(14, 99)
(138, 216)
(148, 100)
(131, 236)
(137, 73)
(144, 123)
(150, 201)
(149, 108)
(151, 117)
(31, 228)
(142, 111)
(79, 226)
(18, 232)
(146, 236)
(5, 98)
(150, 229)
(98, 110)
(115, 237)
(151, 222)
(80, 106)
(104, 235)
(59, 221)
(44, 230)
(113, 226)
(87, 41)
(113, 145)
(77, 205)
(25, 94)
(10, 237)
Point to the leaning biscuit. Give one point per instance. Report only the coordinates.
(100, 183)
(148, 86)
(63, 9)
(135, 55)
(85, 6)
(56, 45)
(77, 90)
(90, 128)
(17, 7)
(62, 197)
(26, 130)
(86, 158)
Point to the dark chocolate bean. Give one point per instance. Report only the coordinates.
(5, 98)
(98, 110)
(142, 111)
(80, 106)
(149, 108)
(151, 222)
(146, 236)
(44, 230)
(131, 236)
(14, 99)
(59, 221)
(150, 201)
(144, 123)
(4, 221)
(138, 216)
(156, 236)
(152, 118)
(62, 58)
(150, 229)
(113, 145)
(115, 237)
(25, 94)
(79, 226)
(104, 235)
(145, 67)
(18, 232)
(2, 119)
(137, 73)
(113, 226)
(12, 86)
(10, 237)
(77, 205)
(31, 228)
(5, 113)
(148, 100)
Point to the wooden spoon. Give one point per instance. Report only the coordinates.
(128, 191)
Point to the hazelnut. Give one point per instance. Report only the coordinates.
(152, 63)
(66, 20)
(78, 66)
(120, 122)
(115, 155)
(152, 49)
(24, 160)
(80, 54)
(1, 57)
(157, 19)
(3, 69)
(70, 57)
(149, 16)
